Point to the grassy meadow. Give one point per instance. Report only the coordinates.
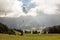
(30, 37)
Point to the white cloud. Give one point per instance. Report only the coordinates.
(32, 12)
(12, 8)
(47, 6)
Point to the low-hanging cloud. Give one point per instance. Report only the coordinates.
(45, 12)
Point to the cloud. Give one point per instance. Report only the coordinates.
(10, 8)
(45, 12)
(14, 8)
(47, 6)
(28, 22)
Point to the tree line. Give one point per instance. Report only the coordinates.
(5, 30)
(53, 29)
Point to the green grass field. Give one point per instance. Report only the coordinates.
(30, 37)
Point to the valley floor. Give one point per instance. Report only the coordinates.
(30, 37)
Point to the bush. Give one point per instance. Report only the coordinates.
(27, 31)
(53, 29)
(19, 30)
(4, 29)
(35, 32)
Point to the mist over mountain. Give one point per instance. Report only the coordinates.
(29, 22)
(29, 14)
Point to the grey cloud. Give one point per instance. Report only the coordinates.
(28, 22)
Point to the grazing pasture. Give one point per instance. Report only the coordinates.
(30, 37)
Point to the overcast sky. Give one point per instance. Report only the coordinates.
(41, 11)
